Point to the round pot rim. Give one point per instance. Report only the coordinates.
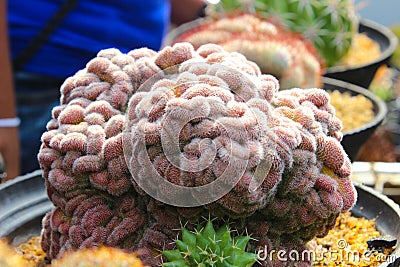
(393, 205)
(382, 108)
(395, 254)
(386, 53)
(374, 26)
(20, 179)
(37, 201)
(179, 30)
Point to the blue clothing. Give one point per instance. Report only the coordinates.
(92, 25)
(33, 125)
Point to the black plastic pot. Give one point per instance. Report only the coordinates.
(362, 75)
(23, 203)
(355, 138)
(374, 205)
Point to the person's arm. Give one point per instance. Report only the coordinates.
(185, 10)
(9, 139)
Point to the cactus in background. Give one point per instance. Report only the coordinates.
(287, 56)
(329, 24)
(209, 247)
(98, 257)
(395, 58)
(223, 99)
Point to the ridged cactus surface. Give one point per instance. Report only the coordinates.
(282, 147)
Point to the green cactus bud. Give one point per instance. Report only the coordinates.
(209, 247)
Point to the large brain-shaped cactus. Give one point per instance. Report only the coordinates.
(145, 141)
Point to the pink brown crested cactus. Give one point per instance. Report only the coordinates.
(284, 54)
(190, 117)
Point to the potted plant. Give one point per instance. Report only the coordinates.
(277, 51)
(333, 27)
(144, 142)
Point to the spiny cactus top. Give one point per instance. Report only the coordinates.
(207, 246)
(287, 56)
(135, 132)
(329, 24)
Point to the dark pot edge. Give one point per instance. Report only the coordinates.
(393, 206)
(373, 26)
(382, 108)
(38, 201)
(179, 30)
(391, 37)
(20, 179)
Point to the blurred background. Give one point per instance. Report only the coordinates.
(385, 12)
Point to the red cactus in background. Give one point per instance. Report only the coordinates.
(135, 130)
(284, 54)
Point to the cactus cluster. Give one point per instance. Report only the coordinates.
(329, 24)
(209, 247)
(284, 54)
(109, 138)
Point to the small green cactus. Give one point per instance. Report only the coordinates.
(329, 24)
(208, 247)
(395, 59)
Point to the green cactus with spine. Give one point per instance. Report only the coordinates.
(395, 58)
(209, 247)
(329, 24)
